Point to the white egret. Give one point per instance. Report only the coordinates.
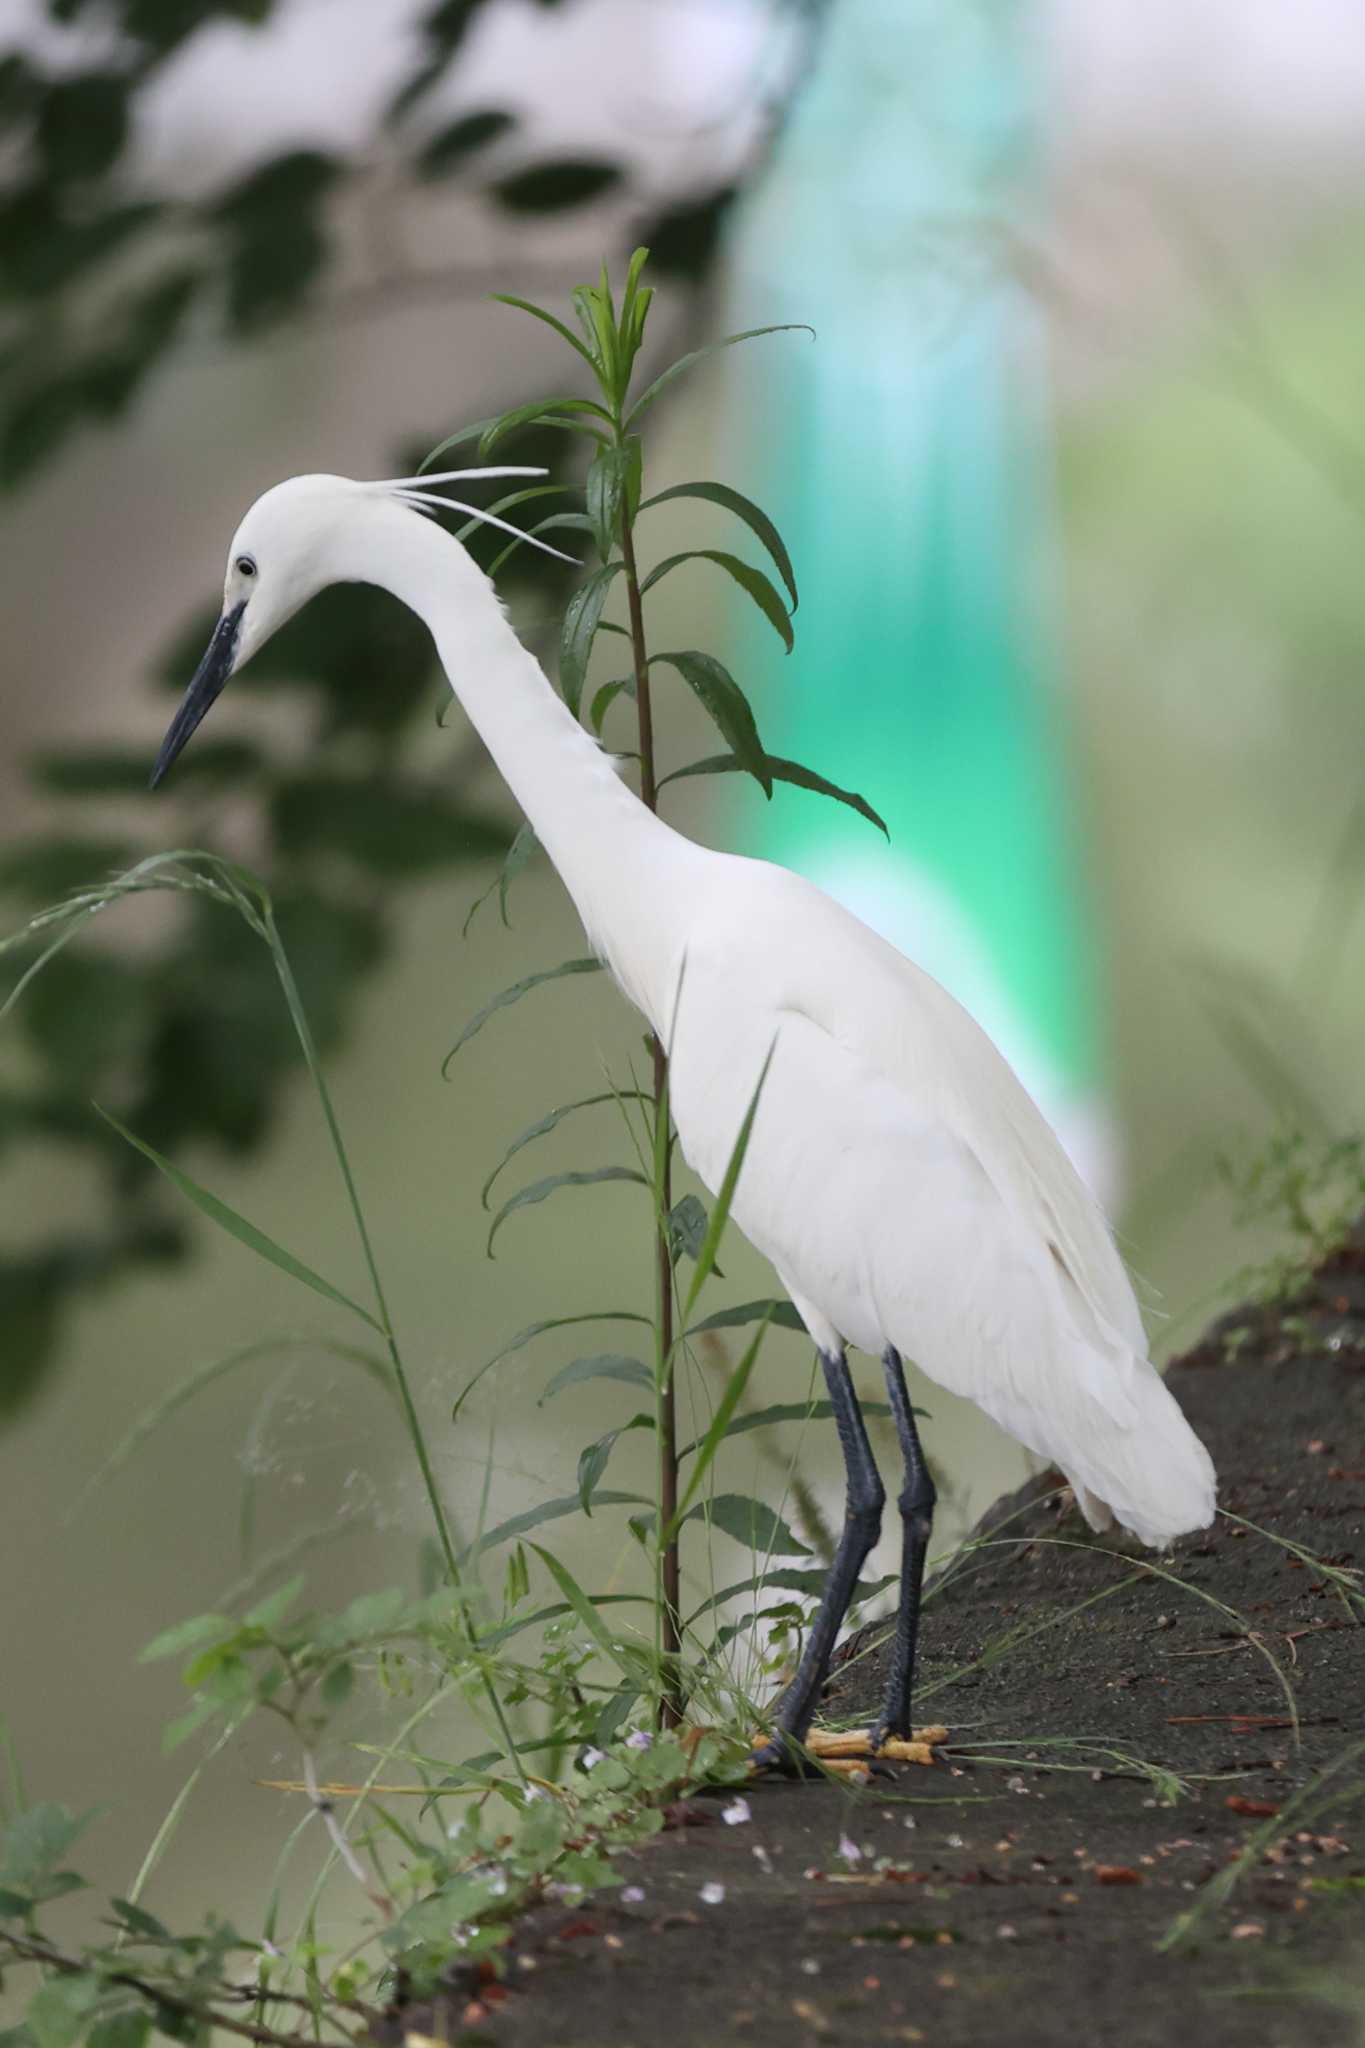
(904, 1185)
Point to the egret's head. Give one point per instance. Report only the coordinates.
(296, 539)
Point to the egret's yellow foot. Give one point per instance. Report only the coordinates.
(847, 1753)
(855, 1746)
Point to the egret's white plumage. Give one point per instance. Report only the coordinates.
(902, 1182)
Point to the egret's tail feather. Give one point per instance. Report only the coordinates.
(1155, 1477)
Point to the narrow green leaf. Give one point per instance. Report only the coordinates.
(237, 1226)
(548, 1511)
(716, 689)
(534, 1330)
(539, 1190)
(720, 1214)
(696, 355)
(787, 1411)
(539, 313)
(781, 770)
(751, 1522)
(456, 440)
(687, 1229)
(750, 580)
(604, 698)
(514, 860)
(551, 1121)
(513, 995)
(592, 1459)
(543, 412)
(720, 1422)
(200, 1628)
(581, 617)
(780, 1314)
(602, 496)
(608, 1365)
(789, 1579)
(582, 1607)
(754, 517)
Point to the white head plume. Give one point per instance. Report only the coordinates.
(416, 492)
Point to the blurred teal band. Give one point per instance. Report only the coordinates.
(904, 454)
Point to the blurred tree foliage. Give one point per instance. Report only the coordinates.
(186, 1039)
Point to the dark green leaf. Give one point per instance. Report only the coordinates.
(725, 1194)
(582, 1606)
(610, 1365)
(751, 1522)
(609, 477)
(549, 319)
(687, 1230)
(696, 355)
(139, 1921)
(513, 995)
(684, 239)
(788, 1578)
(554, 187)
(751, 580)
(539, 1190)
(550, 1121)
(548, 1511)
(581, 616)
(787, 1411)
(451, 147)
(296, 180)
(37, 1840)
(575, 414)
(518, 853)
(533, 1330)
(237, 1226)
(780, 1314)
(82, 123)
(754, 517)
(781, 770)
(338, 1685)
(59, 2013)
(720, 1422)
(592, 1459)
(604, 698)
(129, 2029)
(718, 692)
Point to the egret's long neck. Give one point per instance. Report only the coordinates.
(631, 876)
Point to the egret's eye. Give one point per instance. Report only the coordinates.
(245, 566)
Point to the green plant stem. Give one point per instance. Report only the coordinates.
(301, 1025)
(670, 1638)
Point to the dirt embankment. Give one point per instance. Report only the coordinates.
(995, 1900)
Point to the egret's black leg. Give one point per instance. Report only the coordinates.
(863, 1505)
(916, 1504)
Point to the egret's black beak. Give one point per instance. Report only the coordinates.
(206, 683)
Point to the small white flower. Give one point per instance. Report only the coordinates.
(736, 1813)
(956, 1842)
(531, 1792)
(497, 1884)
(809, 1966)
(712, 1894)
(639, 1738)
(634, 1894)
(590, 1758)
(850, 1851)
